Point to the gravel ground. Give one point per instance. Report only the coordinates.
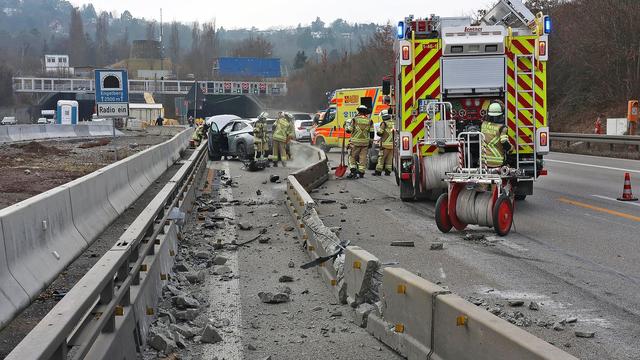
(30, 168)
(232, 282)
(11, 335)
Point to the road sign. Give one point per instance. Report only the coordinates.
(112, 93)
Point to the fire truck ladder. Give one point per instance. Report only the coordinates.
(522, 128)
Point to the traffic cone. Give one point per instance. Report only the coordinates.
(627, 195)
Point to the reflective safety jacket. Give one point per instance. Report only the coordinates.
(360, 128)
(260, 132)
(198, 134)
(385, 131)
(497, 143)
(282, 130)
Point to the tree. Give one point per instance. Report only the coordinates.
(77, 43)
(317, 25)
(122, 48)
(103, 51)
(151, 30)
(174, 43)
(6, 90)
(300, 61)
(543, 6)
(126, 16)
(258, 47)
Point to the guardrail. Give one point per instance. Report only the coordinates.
(107, 314)
(597, 139)
(42, 235)
(413, 316)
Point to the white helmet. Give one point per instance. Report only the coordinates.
(263, 116)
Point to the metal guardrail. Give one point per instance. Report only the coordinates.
(80, 85)
(595, 138)
(96, 306)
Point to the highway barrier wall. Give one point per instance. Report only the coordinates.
(415, 317)
(17, 133)
(42, 235)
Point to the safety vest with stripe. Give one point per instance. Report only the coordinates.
(494, 136)
(386, 134)
(283, 130)
(260, 132)
(359, 128)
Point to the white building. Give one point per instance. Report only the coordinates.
(57, 64)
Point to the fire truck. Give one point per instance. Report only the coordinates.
(447, 72)
(343, 106)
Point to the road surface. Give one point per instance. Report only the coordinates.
(574, 250)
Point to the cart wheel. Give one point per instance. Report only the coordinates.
(503, 215)
(442, 213)
(453, 217)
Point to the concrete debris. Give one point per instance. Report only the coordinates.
(361, 314)
(274, 178)
(327, 201)
(476, 301)
(27, 172)
(558, 326)
(208, 224)
(585, 334)
(317, 308)
(133, 146)
(251, 347)
(516, 303)
(195, 277)
(343, 206)
(403, 243)
(181, 268)
(474, 237)
(164, 313)
(258, 192)
(186, 302)
(289, 228)
(187, 331)
(219, 260)
(495, 310)
(264, 239)
(534, 306)
(291, 264)
(161, 342)
(436, 246)
(571, 320)
(204, 255)
(222, 270)
(359, 201)
(187, 315)
(245, 226)
(336, 314)
(270, 298)
(285, 279)
(210, 335)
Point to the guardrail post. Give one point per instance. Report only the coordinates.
(105, 298)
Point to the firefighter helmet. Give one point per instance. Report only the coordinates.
(263, 116)
(495, 109)
(384, 114)
(362, 109)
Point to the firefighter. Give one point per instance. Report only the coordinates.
(282, 133)
(260, 140)
(497, 144)
(385, 157)
(199, 134)
(361, 130)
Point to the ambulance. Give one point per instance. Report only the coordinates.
(343, 106)
(447, 72)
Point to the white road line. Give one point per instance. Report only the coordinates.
(616, 200)
(593, 166)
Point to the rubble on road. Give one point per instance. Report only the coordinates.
(436, 246)
(271, 298)
(359, 201)
(403, 243)
(584, 334)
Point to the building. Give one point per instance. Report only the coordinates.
(57, 65)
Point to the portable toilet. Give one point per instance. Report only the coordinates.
(67, 112)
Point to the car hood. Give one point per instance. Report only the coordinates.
(221, 120)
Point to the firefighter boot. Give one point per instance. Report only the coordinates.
(361, 175)
(376, 173)
(353, 174)
(387, 173)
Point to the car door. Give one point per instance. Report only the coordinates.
(214, 139)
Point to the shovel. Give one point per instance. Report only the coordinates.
(342, 168)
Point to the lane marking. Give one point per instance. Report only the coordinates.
(599, 209)
(593, 166)
(616, 200)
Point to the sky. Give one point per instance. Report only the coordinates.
(265, 14)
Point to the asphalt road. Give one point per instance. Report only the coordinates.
(574, 250)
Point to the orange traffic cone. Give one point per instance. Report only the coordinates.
(627, 195)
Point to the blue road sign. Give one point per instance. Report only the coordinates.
(112, 86)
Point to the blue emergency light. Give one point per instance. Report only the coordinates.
(547, 24)
(401, 30)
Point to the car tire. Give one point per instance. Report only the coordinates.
(214, 157)
(242, 151)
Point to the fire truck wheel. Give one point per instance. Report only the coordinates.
(442, 214)
(503, 215)
(407, 192)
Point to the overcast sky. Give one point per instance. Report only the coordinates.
(265, 14)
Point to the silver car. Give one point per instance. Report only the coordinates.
(231, 136)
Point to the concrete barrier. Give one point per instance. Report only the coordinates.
(119, 191)
(16, 133)
(137, 171)
(82, 130)
(360, 268)
(4, 134)
(91, 213)
(40, 238)
(101, 130)
(12, 295)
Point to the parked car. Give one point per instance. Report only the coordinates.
(41, 121)
(302, 129)
(230, 135)
(302, 116)
(8, 120)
